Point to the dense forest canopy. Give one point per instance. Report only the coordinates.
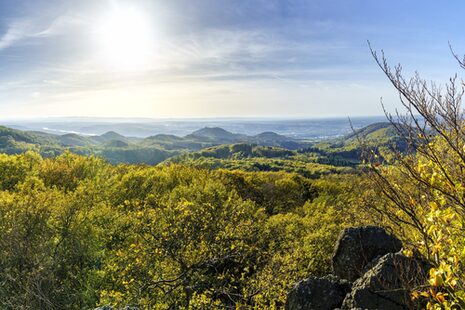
(206, 143)
(78, 232)
(217, 226)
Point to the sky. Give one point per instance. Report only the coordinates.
(217, 58)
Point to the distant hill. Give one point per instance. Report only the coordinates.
(212, 142)
(273, 139)
(165, 138)
(271, 136)
(219, 136)
(382, 130)
(215, 134)
(116, 144)
(108, 136)
(72, 139)
(13, 141)
(118, 148)
(24, 136)
(377, 136)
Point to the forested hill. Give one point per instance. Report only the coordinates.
(379, 137)
(117, 148)
(221, 223)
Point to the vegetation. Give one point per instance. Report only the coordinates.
(214, 142)
(420, 193)
(78, 232)
(227, 220)
(120, 149)
(310, 162)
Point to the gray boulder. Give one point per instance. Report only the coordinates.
(357, 247)
(387, 285)
(325, 293)
(107, 307)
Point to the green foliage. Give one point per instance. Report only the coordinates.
(425, 206)
(218, 148)
(134, 155)
(379, 137)
(310, 163)
(14, 169)
(78, 232)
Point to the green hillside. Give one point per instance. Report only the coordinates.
(120, 149)
(213, 147)
(378, 136)
(215, 134)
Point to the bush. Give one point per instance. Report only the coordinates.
(423, 189)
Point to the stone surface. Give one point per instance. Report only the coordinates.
(325, 293)
(387, 284)
(356, 248)
(111, 308)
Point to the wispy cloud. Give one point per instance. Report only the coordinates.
(213, 54)
(63, 25)
(14, 33)
(26, 28)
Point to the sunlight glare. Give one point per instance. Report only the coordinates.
(125, 39)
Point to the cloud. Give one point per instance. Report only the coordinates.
(248, 54)
(23, 29)
(14, 33)
(63, 24)
(212, 60)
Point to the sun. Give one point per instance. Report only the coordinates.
(125, 39)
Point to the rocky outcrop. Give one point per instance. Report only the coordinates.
(386, 285)
(111, 308)
(318, 293)
(382, 275)
(357, 247)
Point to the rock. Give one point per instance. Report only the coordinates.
(318, 293)
(111, 308)
(357, 247)
(387, 285)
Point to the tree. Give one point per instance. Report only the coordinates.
(423, 188)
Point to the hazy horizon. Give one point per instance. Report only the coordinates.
(300, 128)
(199, 118)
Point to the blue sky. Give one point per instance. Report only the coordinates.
(207, 58)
